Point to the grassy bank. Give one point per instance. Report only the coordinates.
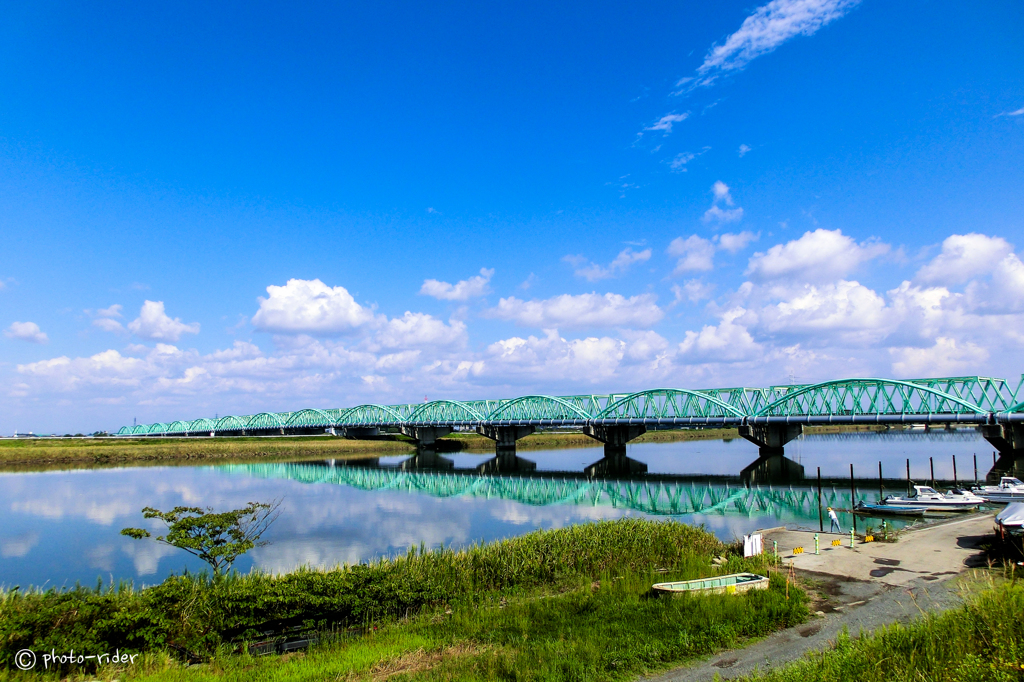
(32, 454)
(572, 603)
(105, 451)
(980, 641)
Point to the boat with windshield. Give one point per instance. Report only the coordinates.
(1009, 490)
(932, 500)
(867, 509)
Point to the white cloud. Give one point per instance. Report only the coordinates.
(666, 122)
(1018, 112)
(744, 149)
(693, 290)
(678, 164)
(729, 341)
(845, 311)
(644, 346)
(154, 324)
(694, 254)
(736, 242)
(26, 331)
(593, 272)
(716, 213)
(528, 282)
(310, 307)
(420, 329)
(721, 192)
(463, 290)
(767, 28)
(108, 368)
(580, 311)
(946, 358)
(964, 256)
(552, 357)
(1005, 293)
(112, 311)
(821, 255)
(108, 325)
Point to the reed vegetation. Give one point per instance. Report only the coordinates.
(574, 602)
(37, 453)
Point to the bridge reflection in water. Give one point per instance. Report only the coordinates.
(653, 495)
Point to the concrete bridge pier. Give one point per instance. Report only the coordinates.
(358, 432)
(771, 466)
(505, 437)
(1008, 439)
(505, 458)
(426, 436)
(426, 456)
(615, 462)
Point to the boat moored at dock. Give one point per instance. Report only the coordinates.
(1009, 490)
(888, 509)
(928, 498)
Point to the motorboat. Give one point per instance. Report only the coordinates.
(1010, 489)
(888, 509)
(931, 499)
(1010, 521)
(728, 584)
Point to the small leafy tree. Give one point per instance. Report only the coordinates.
(216, 538)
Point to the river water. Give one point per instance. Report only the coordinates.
(62, 527)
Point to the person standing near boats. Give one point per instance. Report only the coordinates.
(833, 521)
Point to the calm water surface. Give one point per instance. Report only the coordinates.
(60, 527)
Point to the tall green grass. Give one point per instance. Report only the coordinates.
(200, 614)
(982, 640)
(611, 631)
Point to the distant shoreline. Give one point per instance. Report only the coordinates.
(42, 454)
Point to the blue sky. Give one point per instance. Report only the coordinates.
(490, 200)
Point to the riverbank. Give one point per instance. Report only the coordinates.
(929, 570)
(23, 454)
(573, 603)
(979, 638)
(26, 454)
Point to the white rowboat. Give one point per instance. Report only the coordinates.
(729, 584)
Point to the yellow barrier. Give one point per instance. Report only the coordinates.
(836, 543)
(869, 538)
(798, 550)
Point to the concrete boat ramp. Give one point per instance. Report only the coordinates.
(859, 589)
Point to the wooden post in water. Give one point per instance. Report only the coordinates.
(908, 477)
(956, 483)
(975, 469)
(821, 519)
(881, 493)
(853, 495)
(931, 464)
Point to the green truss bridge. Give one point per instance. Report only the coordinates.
(768, 417)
